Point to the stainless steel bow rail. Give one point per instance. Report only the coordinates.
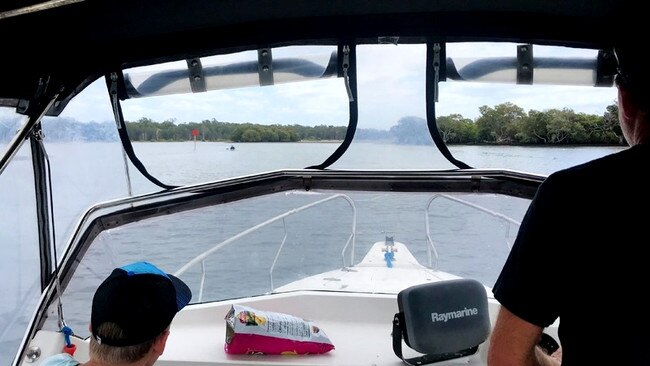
(203, 256)
(431, 248)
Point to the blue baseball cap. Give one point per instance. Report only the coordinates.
(141, 300)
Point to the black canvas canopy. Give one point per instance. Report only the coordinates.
(66, 44)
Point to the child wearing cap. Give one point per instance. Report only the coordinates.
(131, 313)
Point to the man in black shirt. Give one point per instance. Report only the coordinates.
(580, 252)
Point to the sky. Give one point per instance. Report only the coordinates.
(391, 86)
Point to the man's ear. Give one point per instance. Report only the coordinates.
(627, 107)
(160, 341)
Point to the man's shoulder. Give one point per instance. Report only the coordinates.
(620, 161)
(62, 359)
(608, 172)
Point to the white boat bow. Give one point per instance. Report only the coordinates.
(387, 268)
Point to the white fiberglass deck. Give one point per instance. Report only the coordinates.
(353, 306)
(373, 274)
(359, 326)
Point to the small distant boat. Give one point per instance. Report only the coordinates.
(231, 148)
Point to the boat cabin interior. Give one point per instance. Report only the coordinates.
(323, 237)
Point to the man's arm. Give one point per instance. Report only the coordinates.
(514, 343)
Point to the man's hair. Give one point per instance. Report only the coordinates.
(114, 354)
(634, 74)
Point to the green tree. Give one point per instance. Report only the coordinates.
(456, 129)
(269, 134)
(533, 128)
(251, 135)
(283, 135)
(612, 128)
(499, 124)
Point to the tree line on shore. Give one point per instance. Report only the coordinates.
(146, 129)
(508, 124)
(502, 124)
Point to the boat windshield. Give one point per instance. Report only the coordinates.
(294, 241)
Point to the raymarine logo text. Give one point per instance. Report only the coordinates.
(444, 317)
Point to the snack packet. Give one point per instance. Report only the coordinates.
(252, 331)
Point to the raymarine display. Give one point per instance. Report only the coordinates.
(442, 320)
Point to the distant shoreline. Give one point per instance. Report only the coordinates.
(325, 141)
(393, 143)
(337, 142)
(260, 142)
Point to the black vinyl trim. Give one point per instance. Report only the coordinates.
(354, 108)
(41, 181)
(431, 106)
(124, 137)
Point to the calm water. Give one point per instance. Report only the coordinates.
(83, 174)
